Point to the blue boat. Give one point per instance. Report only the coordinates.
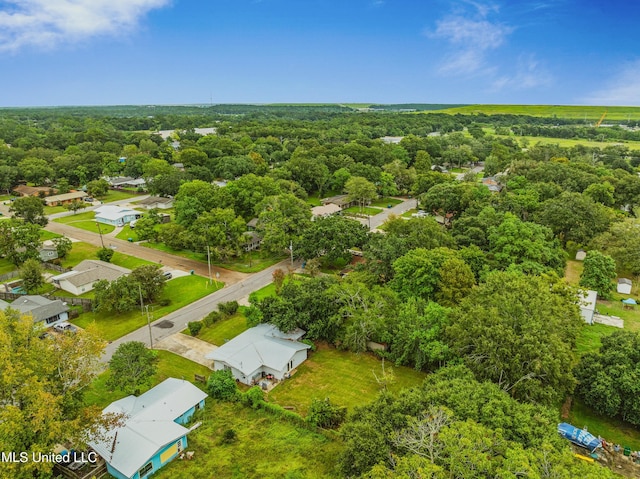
(580, 437)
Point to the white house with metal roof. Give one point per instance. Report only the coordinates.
(83, 276)
(588, 304)
(260, 351)
(151, 431)
(116, 215)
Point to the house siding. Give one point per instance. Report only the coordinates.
(156, 460)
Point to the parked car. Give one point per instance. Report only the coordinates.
(65, 327)
(88, 199)
(132, 223)
(420, 214)
(167, 275)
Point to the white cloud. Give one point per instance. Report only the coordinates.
(623, 89)
(47, 23)
(528, 73)
(470, 38)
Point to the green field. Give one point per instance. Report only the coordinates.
(346, 378)
(224, 330)
(127, 233)
(81, 251)
(180, 291)
(367, 210)
(591, 113)
(117, 195)
(611, 429)
(251, 262)
(169, 366)
(265, 448)
(6, 266)
(86, 221)
(385, 202)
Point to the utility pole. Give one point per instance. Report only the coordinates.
(149, 324)
(209, 263)
(100, 233)
(141, 303)
(291, 249)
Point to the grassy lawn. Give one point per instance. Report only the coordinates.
(50, 210)
(611, 429)
(384, 202)
(314, 200)
(85, 221)
(224, 330)
(180, 291)
(367, 210)
(117, 195)
(590, 337)
(266, 448)
(178, 252)
(347, 378)
(127, 233)
(6, 266)
(127, 261)
(251, 262)
(573, 271)
(268, 290)
(48, 235)
(615, 308)
(170, 365)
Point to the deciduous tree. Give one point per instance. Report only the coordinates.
(131, 367)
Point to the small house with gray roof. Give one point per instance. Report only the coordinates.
(150, 431)
(42, 310)
(83, 276)
(261, 351)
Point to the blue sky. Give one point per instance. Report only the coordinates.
(103, 52)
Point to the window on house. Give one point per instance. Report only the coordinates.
(146, 469)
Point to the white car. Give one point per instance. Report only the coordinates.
(65, 327)
(420, 214)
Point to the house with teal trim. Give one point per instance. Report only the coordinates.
(116, 215)
(150, 430)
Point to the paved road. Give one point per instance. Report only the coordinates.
(373, 222)
(166, 259)
(178, 320)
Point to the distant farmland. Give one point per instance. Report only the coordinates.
(591, 113)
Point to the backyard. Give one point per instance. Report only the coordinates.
(169, 366)
(81, 251)
(179, 291)
(265, 447)
(347, 378)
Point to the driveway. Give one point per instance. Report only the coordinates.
(373, 222)
(188, 347)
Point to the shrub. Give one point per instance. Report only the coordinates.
(164, 302)
(254, 397)
(105, 254)
(195, 327)
(211, 318)
(310, 343)
(228, 308)
(326, 415)
(229, 436)
(222, 385)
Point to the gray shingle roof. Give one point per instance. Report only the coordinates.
(39, 307)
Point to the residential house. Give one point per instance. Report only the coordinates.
(24, 190)
(82, 278)
(48, 253)
(42, 310)
(178, 166)
(159, 202)
(588, 305)
(493, 184)
(325, 210)
(115, 215)
(342, 201)
(392, 140)
(251, 241)
(252, 224)
(152, 430)
(260, 351)
(127, 182)
(624, 286)
(65, 198)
